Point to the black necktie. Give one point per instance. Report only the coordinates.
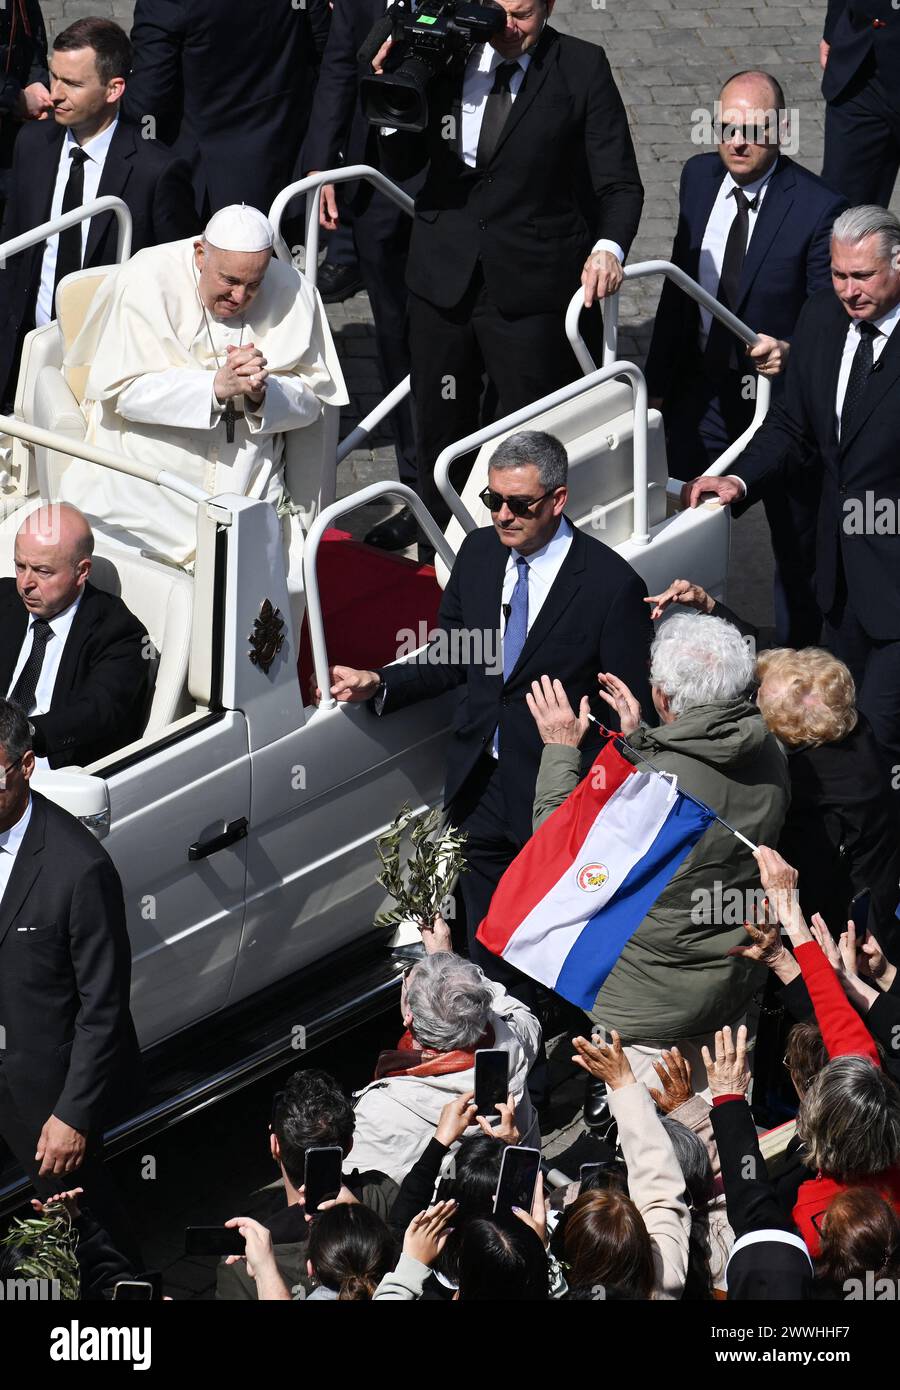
(860, 371)
(68, 255)
(25, 688)
(721, 345)
(496, 109)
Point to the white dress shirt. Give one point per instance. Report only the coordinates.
(886, 324)
(10, 843)
(61, 626)
(96, 150)
(477, 83)
(712, 248)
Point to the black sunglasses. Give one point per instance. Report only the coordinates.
(519, 506)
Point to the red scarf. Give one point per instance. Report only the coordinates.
(408, 1059)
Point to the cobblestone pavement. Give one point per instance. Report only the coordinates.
(669, 60)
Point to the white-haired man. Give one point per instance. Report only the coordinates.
(674, 982)
(205, 359)
(841, 415)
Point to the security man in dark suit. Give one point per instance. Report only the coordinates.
(531, 185)
(74, 658)
(67, 1042)
(229, 86)
(339, 134)
(842, 407)
(84, 152)
(762, 257)
(569, 606)
(860, 55)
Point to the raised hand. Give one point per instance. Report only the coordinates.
(729, 1074)
(674, 1071)
(608, 1064)
(619, 697)
(557, 722)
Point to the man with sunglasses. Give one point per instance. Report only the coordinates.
(68, 1048)
(565, 605)
(753, 229)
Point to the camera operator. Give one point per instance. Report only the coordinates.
(531, 182)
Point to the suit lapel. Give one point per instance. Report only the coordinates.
(562, 591)
(29, 861)
(117, 169)
(546, 52)
(85, 620)
(776, 204)
(43, 180)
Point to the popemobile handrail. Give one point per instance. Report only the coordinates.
(640, 534)
(610, 311)
(328, 517)
(71, 219)
(78, 449)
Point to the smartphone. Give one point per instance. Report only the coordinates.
(491, 1081)
(147, 1289)
(213, 1240)
(859, 912)
(518, 1178)
(600, 1177)
(322, 1175)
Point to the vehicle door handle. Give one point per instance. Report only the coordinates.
(234, 831)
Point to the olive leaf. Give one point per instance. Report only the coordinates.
(44, 1248)
(419, 886)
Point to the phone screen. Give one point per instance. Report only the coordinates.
(518, 1177)
(213, 1240)
(859, 912)
(322, 1175)
(491, 1080)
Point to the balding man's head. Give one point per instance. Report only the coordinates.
(750, 107)
(53, 553)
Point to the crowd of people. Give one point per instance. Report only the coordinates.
(208, 356)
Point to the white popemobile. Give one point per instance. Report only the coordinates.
(243, 821)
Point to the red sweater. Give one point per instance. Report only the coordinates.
(844, 1034)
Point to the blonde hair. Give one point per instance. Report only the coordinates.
(816, 701)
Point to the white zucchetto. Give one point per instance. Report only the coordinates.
(239, 228)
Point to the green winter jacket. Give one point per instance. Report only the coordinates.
(673, 978)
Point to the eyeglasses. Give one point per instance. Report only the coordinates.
(519, 506)
(750, 134)
(5, 770)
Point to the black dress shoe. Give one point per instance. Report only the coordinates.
(395, 532)
(337, 282)
(596, 1110)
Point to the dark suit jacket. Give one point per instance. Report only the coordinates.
(141, 172)
(22, 62)
(865, 461)
(858, 45)
(229, 85)
(563, 174)
(593, 619)
(102, 687)
(788, 259)
(338, 132)
(65, 971)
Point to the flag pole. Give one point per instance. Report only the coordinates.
(620, 738)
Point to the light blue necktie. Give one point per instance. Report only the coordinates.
(516, 629)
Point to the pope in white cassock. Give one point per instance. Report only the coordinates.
(207, 358)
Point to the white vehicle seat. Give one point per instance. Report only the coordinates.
(51, 395)
(159, 595)
(598, 432)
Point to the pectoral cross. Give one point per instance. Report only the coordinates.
(230, 417)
